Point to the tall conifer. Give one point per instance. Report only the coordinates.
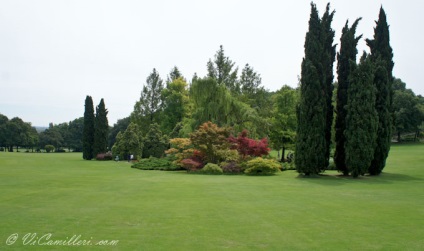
(348, 51)
(88, 130)
(315, 108)
(361, 119)
(382, 56)
(101, 129)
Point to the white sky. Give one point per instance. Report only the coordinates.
(54, 53)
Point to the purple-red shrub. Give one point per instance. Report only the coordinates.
(249, 147)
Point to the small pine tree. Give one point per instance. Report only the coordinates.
(361, 119)
(88, 130)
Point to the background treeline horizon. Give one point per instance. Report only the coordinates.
(226, 96)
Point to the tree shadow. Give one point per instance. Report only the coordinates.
(336, 179)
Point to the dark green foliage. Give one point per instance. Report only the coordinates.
(260, 166)
(361, 119)
(348, 51)
(88, 130)
(154, 143)
(315, 108)
(382, 56)
(152, 163)
(384, 132)
(49, 148)
(101, 129)
(222, 70)
(328, 58)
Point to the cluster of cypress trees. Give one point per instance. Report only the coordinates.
(95, 131)
(363, 126)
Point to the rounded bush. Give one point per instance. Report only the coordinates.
(211, 169)
(260, 166)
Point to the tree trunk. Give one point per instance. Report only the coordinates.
(399, 139)
(282, 155)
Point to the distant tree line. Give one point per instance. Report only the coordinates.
(15, 133)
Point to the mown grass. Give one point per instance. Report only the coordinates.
(64, 195)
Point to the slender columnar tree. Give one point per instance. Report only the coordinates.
(314, 128)
(328, 58)
(88, 130)
(361, 119)
(348, 51)
(101, 129)
(382, 56)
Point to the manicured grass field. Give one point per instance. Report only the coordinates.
(63, 195)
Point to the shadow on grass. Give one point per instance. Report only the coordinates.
(339, 179)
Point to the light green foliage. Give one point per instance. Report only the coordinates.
(175, 105)
(362, 118)
(284, 121)
(211, 168)
(152, 163)
(260, 166)
(128, 142)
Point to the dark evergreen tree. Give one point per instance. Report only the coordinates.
(361, 119)
(314, 128)
(155, 143)
(328, 58)
(382, 56)
(88, 130)
(348, 51)
(101, 129)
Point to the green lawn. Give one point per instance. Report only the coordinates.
(64, 195)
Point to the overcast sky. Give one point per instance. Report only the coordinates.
(55, 53)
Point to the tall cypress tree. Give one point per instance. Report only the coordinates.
(101, 129)
(382, 56)
(328, 58)
(311, 140)
(348, 51)
(315, 112)
(88, 130)
(361, 119)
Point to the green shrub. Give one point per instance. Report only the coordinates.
(211, 168)
(260, 166)
(152, 163)
(49, 148)
(288, 166)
